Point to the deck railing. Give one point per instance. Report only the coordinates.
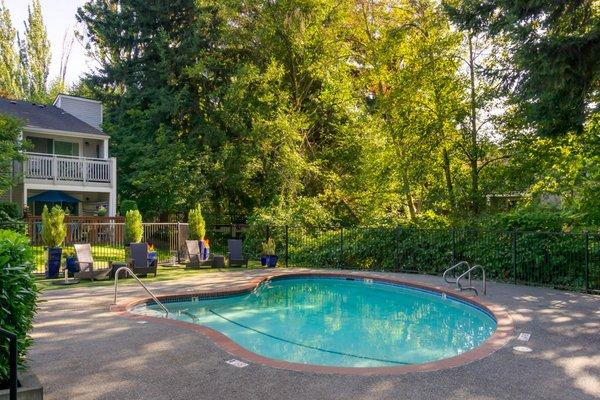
(69, 168)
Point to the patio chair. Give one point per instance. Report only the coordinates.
(195, 256)
(235, 256)
(139, 260)
(86, 264)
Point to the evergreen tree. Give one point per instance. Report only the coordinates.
(38, 53)
(9, 61)
(144, 49)
(552, 68)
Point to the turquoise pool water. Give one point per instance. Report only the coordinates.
(339, 322)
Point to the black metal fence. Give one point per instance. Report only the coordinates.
(557, 259)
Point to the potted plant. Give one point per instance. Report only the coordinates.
(197, 227)
(134, 230)
(17, 310)
(269, 250)
(71, 264)
(102, 211)
(263, 254)
(53, 232)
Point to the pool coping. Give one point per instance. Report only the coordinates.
(502, 335)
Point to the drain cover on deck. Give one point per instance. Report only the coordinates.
(524, 337)
(522, 349)
(237, 363)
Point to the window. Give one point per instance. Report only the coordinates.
(41, 145)
(66, 148)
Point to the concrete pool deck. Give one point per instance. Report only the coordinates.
(84, 351)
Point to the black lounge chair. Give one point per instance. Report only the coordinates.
(235, 257)
(139, 260)
(195, 256)
(86, 264)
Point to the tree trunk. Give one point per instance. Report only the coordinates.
(474, 156)
(448, 175)
(410, 206)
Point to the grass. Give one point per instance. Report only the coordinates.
(164, 274)
(102, 253)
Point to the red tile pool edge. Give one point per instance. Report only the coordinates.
(502, 335)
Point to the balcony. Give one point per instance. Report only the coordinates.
(69, 170)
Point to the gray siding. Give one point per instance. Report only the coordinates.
(87, 111)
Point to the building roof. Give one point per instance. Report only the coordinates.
(46, 117)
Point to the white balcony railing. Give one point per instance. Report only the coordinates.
(69, 169)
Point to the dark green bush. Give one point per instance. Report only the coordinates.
(10, 209)
(127, 205)
(541, 258)
(18, 294)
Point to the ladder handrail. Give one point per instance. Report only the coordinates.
(471, 287)
(452, 268)
(130, 272)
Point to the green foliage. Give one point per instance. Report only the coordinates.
(552, 41)
(196, 223)
(134, 230)
(38, 53)
(17, 295)
(10, 82)
(10, 149)
(102, 211)
(54, 229)
(10, 209)
(312, 113)
(268, 247)
(127, 205)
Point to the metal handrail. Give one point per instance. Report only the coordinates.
(452, 268)
(130, 272)
(471, 287)
(12, 356)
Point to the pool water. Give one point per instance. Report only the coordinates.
(340, 322)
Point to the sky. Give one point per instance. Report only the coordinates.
(59, 15)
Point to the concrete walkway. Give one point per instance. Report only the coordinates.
(83, 351)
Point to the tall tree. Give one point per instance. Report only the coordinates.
(11, 149)
(38, 53)
(144, 50)
(9, 60)
(411, 61)
(555, 42)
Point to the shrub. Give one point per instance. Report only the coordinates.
(196, 223)
(134, 229)
(102, 211)
(17, 294)
(54, 230)
(10, 209)
(268, 247)
(127, 205)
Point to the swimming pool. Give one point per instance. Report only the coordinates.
(340, 322)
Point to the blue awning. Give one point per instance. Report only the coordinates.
(53, 196)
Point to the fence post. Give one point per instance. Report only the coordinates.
(287, 243)
(398, 233)
(453, 246)
(514, 256)
(179, 242)
(587, 262)
(341, 247)
(12, 359)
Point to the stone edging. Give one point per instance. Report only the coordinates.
(501, 336)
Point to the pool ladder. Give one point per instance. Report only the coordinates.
(468, 274)
(130, 272)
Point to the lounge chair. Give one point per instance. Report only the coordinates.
(235, 256)
(86, 264)
(139, 260)
(195, 256)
